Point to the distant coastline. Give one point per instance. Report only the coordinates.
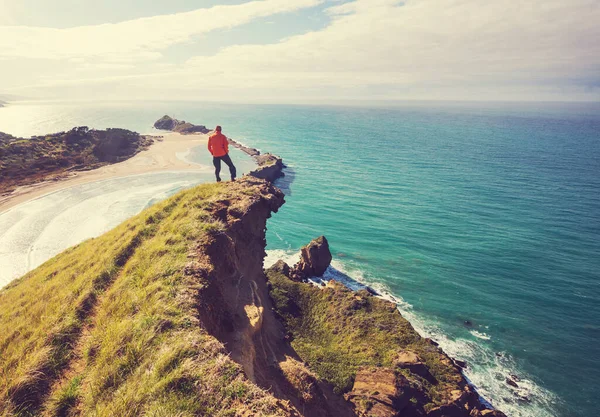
(160, 156)
(154, 153)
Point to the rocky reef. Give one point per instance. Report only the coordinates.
(180, 126)
(26, 161)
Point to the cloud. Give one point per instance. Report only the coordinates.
(441, 38)
(459, 48)
(440, 49)
(139, 39)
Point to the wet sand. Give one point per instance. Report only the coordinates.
(165, 154)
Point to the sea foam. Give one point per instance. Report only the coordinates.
(487, 370)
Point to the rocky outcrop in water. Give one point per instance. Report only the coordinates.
(362, 345)
(270, 167)
(314, 260)
(180, 126)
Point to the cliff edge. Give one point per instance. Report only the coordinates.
(172, 314)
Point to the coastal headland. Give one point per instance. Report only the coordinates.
(151, 153)
(171, 313)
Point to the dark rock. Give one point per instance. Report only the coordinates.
(270, 167)
(492, 413)
(250, 151)
(181, 126)
(432, 342)
(314, 260)
(486, 413)
(468, 323)
(281, 267)
(166, 123)
(371, 290)
(460, 364)
(512, 383)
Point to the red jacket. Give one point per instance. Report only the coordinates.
(218, 144)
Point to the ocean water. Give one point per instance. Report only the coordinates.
(482, 220)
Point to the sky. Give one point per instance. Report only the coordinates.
(304, 51)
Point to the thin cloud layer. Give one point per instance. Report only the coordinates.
(371, 49)
(135, 39)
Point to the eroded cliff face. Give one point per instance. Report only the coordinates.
(234, 304)
(171, 313)
(129, 323)
(323, 351)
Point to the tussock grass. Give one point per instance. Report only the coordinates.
(144, 350)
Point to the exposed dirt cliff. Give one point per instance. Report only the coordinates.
(171, 314)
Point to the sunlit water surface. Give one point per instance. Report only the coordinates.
(486, 213)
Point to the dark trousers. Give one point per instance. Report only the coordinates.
(217, 163)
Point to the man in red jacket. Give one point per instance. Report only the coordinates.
(218, 146)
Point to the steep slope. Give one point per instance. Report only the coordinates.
(171, 314)
(113, 325)
(364, 347)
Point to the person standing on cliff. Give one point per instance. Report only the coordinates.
(218, 146)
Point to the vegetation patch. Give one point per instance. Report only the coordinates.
(337, 331)
(25, 161)
(144, 351)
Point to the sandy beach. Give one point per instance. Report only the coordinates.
(167, 153)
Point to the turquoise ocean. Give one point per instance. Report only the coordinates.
(482, 220)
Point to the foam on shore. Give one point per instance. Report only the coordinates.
(487, 370)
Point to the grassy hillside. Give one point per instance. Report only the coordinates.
(337, 332)
(109, 327)
(24, 161)
(171, 314)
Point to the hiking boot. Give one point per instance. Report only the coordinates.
(218, 179)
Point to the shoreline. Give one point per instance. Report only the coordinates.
(169, 153)
(162, 156)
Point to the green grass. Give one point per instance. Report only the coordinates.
(108, 328)
(337, 331)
